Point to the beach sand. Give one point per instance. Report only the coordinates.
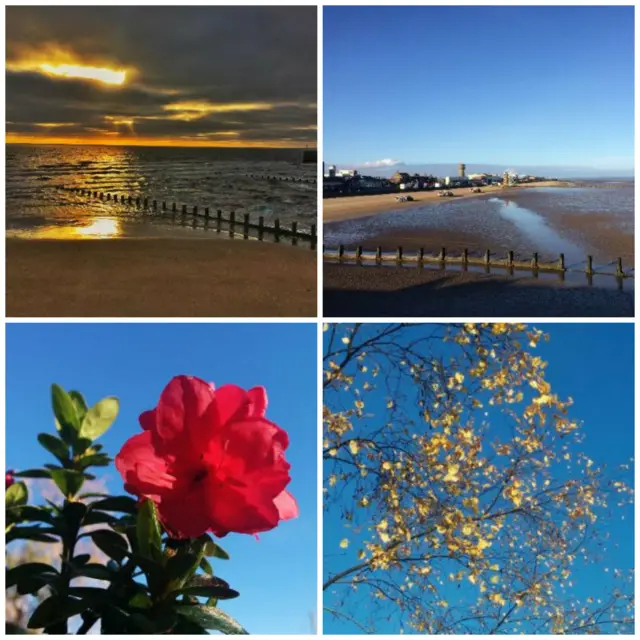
(159, 278)
(350, 207)
(352, 291)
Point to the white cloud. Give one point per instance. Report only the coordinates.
(387, 162)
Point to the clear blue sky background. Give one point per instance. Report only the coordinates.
(593, 364)
(537, 85)
(276, 576)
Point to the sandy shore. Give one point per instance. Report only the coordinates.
(352, 291)
(348, 208)
(159, 278)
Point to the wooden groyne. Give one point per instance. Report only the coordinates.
(235, 225)
(488, 261)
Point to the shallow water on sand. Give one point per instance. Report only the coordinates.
(548, 221)
(215, 178)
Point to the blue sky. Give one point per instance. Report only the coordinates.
(276, 576)
(548, 86)
(592, 363)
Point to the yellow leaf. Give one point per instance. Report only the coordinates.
(344, 543)
(354, 447)
(452, 473)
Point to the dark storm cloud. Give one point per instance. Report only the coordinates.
(210, 55)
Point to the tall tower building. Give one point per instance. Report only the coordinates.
(462, 169)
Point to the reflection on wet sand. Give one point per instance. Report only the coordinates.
(97, 229)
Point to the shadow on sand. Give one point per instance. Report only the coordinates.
(379, 292)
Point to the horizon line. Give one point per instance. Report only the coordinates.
(161, 143)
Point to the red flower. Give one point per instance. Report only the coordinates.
(8, 478)
(210, 461)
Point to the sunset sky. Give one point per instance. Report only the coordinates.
(169, 76)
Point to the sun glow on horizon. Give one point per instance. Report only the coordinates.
(142, 141)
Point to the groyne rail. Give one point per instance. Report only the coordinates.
(488, 261)
(242, 224)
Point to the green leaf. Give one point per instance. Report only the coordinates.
(73, 514)
(36, 534)
(141, 601)
(55, 446)
(114, 545)
(205, 565)
(188, 628)
(28, 570)
(95, 460)
(79, 403)
(99, 418)
(180, 568)
(211, 618)
(212, 549)
(210, 587)
(64, 409)
(98, 517)
(33, 473)
(149, 535)
(55, 609)
(95, 571)
(30, 513)
(16, 495)
(68, 481)
(119, 503)
(219, 593)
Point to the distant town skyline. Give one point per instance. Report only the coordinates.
(162, 76)
(526, 87)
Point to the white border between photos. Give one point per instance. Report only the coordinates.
(319, 318)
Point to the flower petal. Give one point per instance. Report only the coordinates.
(145, 473)
(147, 420)
(181, 408)
(287, 506)
(258, 402)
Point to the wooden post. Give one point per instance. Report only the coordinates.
(510, 259)
(561, 262)
(487, 257)
(443, 254)
(108, 196)
(260, 227)
(589, 265)
(246, 225)
(619, 271)
(130, 200)
(184, 210)
(138, 202)
(534, 262)
(146, 203)
(195, 211)
(359, 254)
(276, 229)
(341, 252)
(232, 218)
(155, 205)
(174, 208)
(101, 195)
(219, 214)
(164, 205)
(294, 228)
(421, 256)
(378, 255)
(399, 255)
(465, 258)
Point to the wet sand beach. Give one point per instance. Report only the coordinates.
(352, 291)
(158, 278)
(348, 208)
(576, 222)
